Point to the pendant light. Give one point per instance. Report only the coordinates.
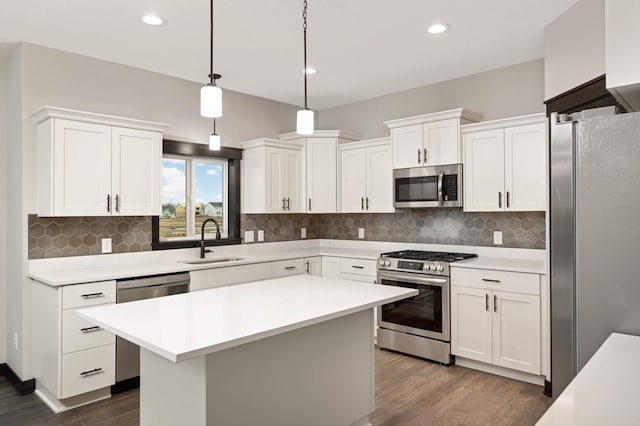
(305, 120)
(214, 139)
(211, 94)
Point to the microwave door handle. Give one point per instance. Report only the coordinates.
(440, 185)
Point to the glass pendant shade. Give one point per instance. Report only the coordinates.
(211, 101)
(304, 125)
(214, 142)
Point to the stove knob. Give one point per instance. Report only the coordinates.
(425, 267)
(432, 267)
(440, 268)
(381, 262)
(387, 263)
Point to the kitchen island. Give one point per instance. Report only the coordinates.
(287, 351)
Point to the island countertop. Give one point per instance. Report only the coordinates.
(190, 325)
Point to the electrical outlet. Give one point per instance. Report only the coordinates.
(361, 233)
(106, 245)
(248, 236)
(497, 238)
(303, 232)
(15, 341)
(261, 235)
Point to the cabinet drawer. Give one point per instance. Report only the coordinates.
(358, 266)
(81, 295)
(79, 334)
(217, 277)
(515, 282)
(88, 370)
(283, 268)
(360, 278)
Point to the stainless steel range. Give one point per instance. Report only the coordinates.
(420, 325)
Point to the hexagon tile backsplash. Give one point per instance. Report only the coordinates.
(78, 236)
(432, 226)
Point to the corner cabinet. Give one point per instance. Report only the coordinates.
(428, 139)
(320, 167)
(496, 318)
(272, 176)
(505, 165)
(97, 165)
(365, 177)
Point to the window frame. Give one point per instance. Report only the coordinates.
(231, 194)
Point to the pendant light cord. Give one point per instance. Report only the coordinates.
(211, 56)
(304, 27)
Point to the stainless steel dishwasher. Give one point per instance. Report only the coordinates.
(129, 290)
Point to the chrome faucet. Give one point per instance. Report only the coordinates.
(202, 250)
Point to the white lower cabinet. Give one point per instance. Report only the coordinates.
(313, 266)
(284, 268)
(495, 318)
(70, 355)
(217, 277)
(364, 271)
(331, 267)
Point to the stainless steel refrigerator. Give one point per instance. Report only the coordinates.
(594, 235)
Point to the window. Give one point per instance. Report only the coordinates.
(197, 186)
(193, 190)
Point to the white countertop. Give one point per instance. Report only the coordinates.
(189, 325)
(503, 264)
(82, 269)
(605, 391)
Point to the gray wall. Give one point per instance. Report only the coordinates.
(41, 76)
(59, 78)
(504, 92)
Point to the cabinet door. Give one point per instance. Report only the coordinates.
(321, 175)
(353, 181)
(484, 171)
(516, 331)
(136, 164)
(442, 142)
(471, 323)
(82, 169)
(275, 175)
(313, 266)
(525, 168)
(331, 267)
(407, 145)
(292, 181)
(379, 172)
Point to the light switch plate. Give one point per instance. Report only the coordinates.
(261, 235)
(497, 238)
(248, 236)
(106, 245)
(361, 233)
(303, 232)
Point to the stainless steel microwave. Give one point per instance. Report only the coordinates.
(429, 186)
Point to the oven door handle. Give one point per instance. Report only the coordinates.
(440, 186)
(412, 279)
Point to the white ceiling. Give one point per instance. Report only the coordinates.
(362, 48)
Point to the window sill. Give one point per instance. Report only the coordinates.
(168, 245)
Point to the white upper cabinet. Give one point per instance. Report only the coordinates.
(366, 177)
(97, 165)
(272, 176)
(319, 175)
(429, 139)
(505, 165)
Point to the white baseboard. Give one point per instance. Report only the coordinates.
(500, 371)
(58, 406)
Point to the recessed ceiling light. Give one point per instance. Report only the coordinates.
(153, 20)
(438, 28)
(309, 70)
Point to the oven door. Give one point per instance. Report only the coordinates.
(426, 314)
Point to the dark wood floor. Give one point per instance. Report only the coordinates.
(409, 391)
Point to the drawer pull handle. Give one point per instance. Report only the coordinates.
(357, 267)
(91, 372)
(490, 280)
(289, 268)
(91, 329)
(92, 295)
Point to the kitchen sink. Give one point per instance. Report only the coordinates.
(212, 260)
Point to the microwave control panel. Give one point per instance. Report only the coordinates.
(450, 187)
